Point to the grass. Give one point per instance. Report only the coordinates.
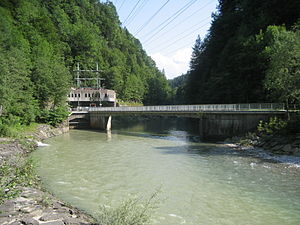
(23, 130)
(133, 211)
(18, 131)
(15, 174)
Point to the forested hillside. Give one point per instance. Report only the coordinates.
(251, 54)
(41, 41)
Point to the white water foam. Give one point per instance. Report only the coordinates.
(41, 144)
(290, 161)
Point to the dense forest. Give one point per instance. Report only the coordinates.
(41, 42)
(251, 54)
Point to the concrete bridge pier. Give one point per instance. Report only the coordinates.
(98, 121)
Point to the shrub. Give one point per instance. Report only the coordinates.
(54, 116)
(274, 126)
(133, 211)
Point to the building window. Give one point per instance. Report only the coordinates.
(72, 95)
(79, 95)
(89, 95)
(85, 95)
(75, 95)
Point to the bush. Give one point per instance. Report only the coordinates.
(274, 126)
(133, 211)
(54, 116)
(8, 125)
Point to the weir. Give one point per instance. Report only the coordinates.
(215, 121)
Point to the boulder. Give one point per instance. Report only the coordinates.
(287, 148)
(296, 152)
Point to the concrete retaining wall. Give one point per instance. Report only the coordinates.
(224, 125)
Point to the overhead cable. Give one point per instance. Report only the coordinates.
(172, 43)
(168, 41)
(170, 19)
(151, 18)
(176, 25)
(137, 11)
(131, 11)
(121, 5)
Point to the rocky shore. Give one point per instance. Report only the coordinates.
(277, 144)
(33, 205)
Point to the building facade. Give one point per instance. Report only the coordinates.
(91, 97)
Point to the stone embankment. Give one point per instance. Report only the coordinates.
(33, 205)
(282, 145)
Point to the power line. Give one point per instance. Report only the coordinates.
(178, 13)
(131, 11)
(169, 18)
(186, 31)
(172, 43)
(137, 11)
(151, 18)
(121, 5)
(176, 25)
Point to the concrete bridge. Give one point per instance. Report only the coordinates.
(215, 121)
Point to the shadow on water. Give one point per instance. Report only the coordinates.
(208, 150)
(179, 129)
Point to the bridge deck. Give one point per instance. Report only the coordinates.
(189, 109)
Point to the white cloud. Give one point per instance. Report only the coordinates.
(174, 65)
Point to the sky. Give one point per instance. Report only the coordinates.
(167, 29)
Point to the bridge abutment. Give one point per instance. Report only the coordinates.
(224, 125)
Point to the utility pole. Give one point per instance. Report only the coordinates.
(97, 79)
(78, 73)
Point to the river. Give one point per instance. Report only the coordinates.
(198, 182)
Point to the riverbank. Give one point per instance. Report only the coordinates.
(277, 146)
(24, 201)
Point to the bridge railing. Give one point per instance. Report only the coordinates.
(192, 108)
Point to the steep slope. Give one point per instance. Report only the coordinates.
(231, 64)
(41, 41)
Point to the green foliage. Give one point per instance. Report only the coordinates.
(124, 103)
(283, 75)
(242, 59)
(13, 176)
(40, 43)
(54, 116)
(133, 211)
(11, 127)
(274, 126)
(178, 85)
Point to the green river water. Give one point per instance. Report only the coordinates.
(199, 183)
